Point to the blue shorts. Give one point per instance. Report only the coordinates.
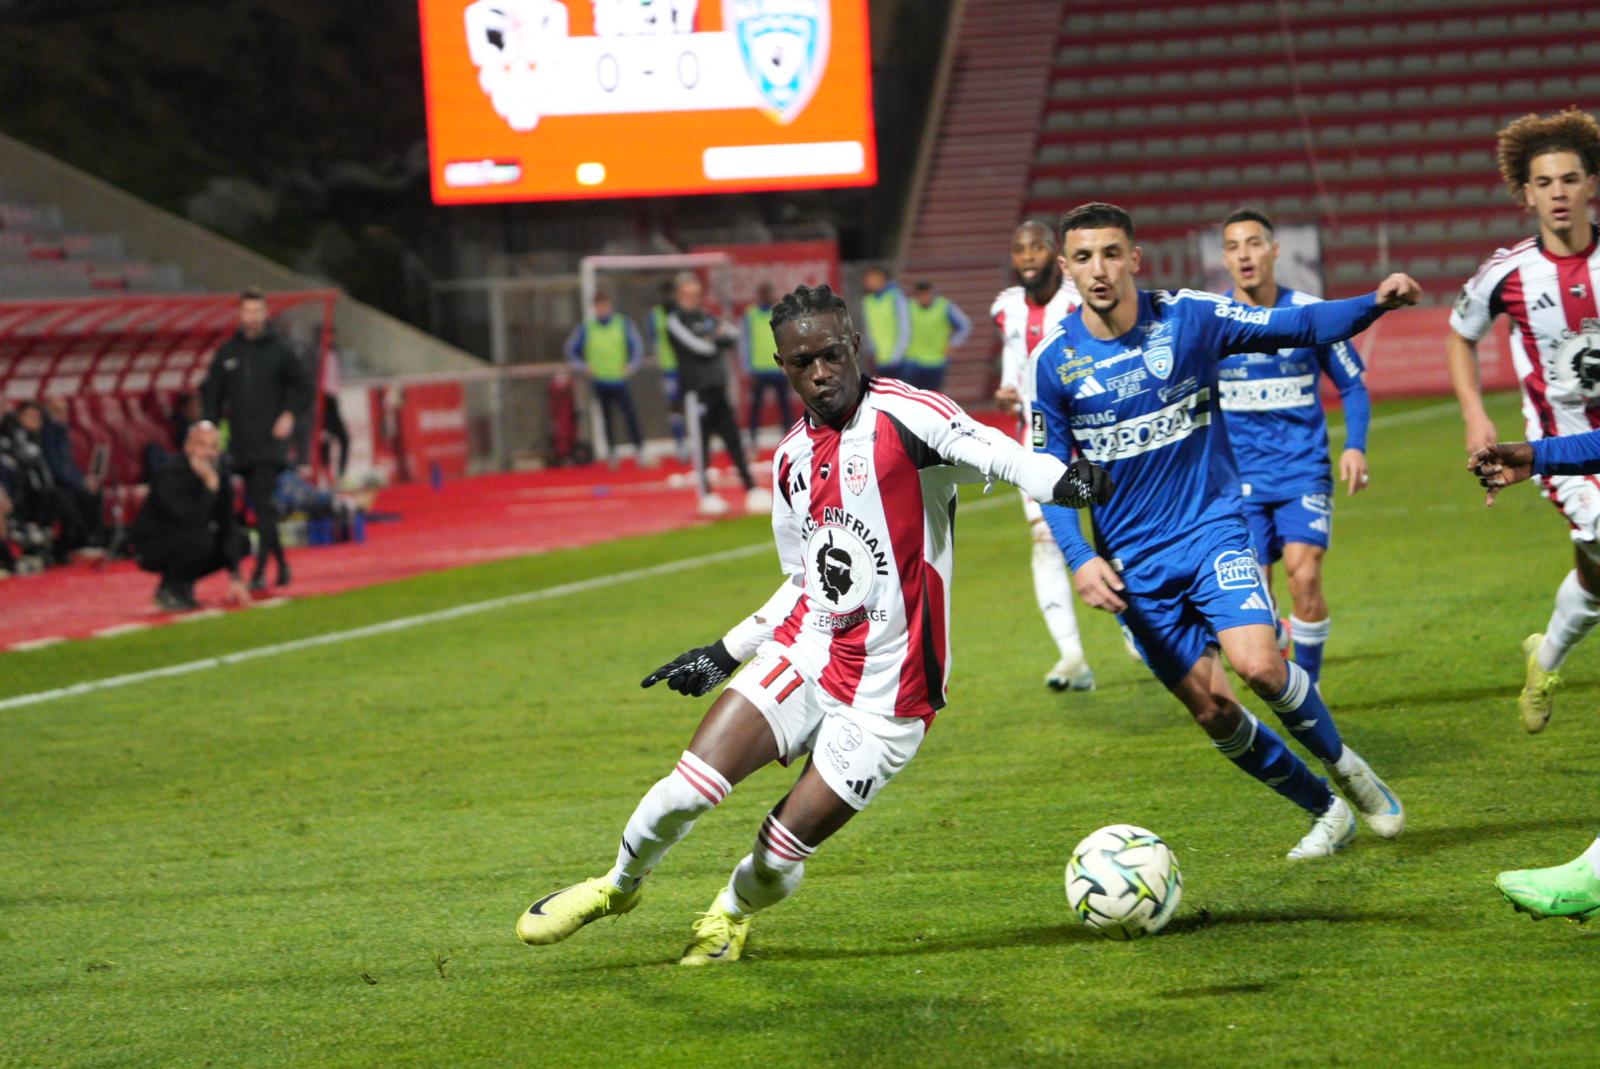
(1307, 518)
(1180, 598)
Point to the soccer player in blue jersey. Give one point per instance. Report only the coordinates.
(1570, 890)
(1130, 381)
(1280, 438)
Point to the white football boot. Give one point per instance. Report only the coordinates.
(1330, 833)
(1377, 804)
(1070, 675)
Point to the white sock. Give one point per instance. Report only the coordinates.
(664, 815)
(1576, 612)
(1052, 585)
(1592, 856)
(768, 874)
(1308, 633)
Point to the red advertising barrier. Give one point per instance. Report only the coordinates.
(1404, 353)
(419, 429)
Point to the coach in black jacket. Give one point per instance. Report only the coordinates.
(258, 384)
(701, 343)
(187, 527)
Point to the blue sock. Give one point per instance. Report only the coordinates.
(1302, 711)
(1260, 752)
(1308, 641)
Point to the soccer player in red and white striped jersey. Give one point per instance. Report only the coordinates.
(1024, 314)
(1546, 285)
(851, 654)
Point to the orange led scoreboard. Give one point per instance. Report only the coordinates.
(553, 100)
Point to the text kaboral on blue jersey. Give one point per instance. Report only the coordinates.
(1276, 426)
(1144, 406)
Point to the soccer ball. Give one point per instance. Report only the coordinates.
(1123, 882)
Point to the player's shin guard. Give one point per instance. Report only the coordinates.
(1308, 642)
(1052, 585)
(767, 875)
(664, 815)
(1302, 711)
(1576, 613)
(1255, 748)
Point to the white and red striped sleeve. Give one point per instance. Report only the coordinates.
(937, 431)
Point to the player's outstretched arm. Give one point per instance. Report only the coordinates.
(990, 454)
(1084, 483)
(1500, 466)
(1399, 290)
(696, 671)
(1246, 329)
(1507, 463)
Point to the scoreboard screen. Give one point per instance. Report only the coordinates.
(553, 100)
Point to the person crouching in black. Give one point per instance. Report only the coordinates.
(259, 384)
(188, 527)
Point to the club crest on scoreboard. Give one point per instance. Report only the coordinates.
(784, 46)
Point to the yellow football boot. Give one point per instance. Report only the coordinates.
(560, 913)
(1537, 697)
(718, 938)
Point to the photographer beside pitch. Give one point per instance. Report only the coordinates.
(850, 655)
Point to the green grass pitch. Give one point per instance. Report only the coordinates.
(317, 859)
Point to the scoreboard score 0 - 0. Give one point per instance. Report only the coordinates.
(552, 100)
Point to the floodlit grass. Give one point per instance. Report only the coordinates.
(318, 859)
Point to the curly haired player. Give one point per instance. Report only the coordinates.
(851, 654)
(1546, 285)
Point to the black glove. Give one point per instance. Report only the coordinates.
(695, 672)
(1084, 484)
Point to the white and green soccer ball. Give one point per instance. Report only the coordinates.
(1123, 881)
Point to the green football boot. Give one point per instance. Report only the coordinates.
(1569, 890)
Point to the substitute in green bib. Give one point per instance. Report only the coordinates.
(667, 360)
(607, 348)
(937, 326)
(886, 315)
(758, 360)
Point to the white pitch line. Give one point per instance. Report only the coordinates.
(37, 643)
(120, 629)
(386, 627)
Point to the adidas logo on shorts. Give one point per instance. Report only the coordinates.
(861, 787)
(1255, 601)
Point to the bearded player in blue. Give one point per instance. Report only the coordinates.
(1130, 382)
(1280, 437)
